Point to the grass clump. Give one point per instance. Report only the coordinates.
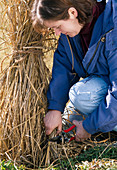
(23, 85)
(9, 165)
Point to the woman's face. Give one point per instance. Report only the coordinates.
(69, 27)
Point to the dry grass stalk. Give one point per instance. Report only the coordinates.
(23, 86)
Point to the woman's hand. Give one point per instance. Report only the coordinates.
(53, 120)
(81, 133)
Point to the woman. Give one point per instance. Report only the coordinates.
(87, 48)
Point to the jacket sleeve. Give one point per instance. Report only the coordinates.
(104, 118)
(63, 78)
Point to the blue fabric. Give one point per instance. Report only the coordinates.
(87, 94)
(68, 69)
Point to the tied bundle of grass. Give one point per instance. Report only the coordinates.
(23, 85)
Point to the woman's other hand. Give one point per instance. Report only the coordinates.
(81, 133)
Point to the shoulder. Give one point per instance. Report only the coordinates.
(111, 39)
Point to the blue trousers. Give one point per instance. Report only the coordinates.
(85, 96)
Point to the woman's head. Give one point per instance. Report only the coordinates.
(55, 10)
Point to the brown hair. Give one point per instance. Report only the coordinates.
(58, 10)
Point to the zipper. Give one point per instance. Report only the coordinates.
(103, 38)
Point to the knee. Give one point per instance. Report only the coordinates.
(87, 94)
(79, 97)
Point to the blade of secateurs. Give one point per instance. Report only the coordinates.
(55, 139)
(59, 139)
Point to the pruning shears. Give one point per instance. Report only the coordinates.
(63, 137)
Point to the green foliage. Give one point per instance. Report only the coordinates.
(100, 164)
(99, 158)
(10, 166)
(98, 152)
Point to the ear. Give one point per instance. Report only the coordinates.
(72, 13)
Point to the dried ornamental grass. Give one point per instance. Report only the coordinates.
(23, 85)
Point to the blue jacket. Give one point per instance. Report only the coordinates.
(100, 59)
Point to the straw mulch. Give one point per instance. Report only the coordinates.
(24, 79)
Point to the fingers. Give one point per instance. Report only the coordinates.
(52, 121)
(81, 133)
(48, 127)
(59, 129)
(75, 122)
(48, 131)
(80, 139)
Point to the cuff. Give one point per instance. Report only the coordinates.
(53, 105)
(87, 126)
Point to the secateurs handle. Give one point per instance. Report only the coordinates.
(72, 138)
(58, 139)
(68, 130)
